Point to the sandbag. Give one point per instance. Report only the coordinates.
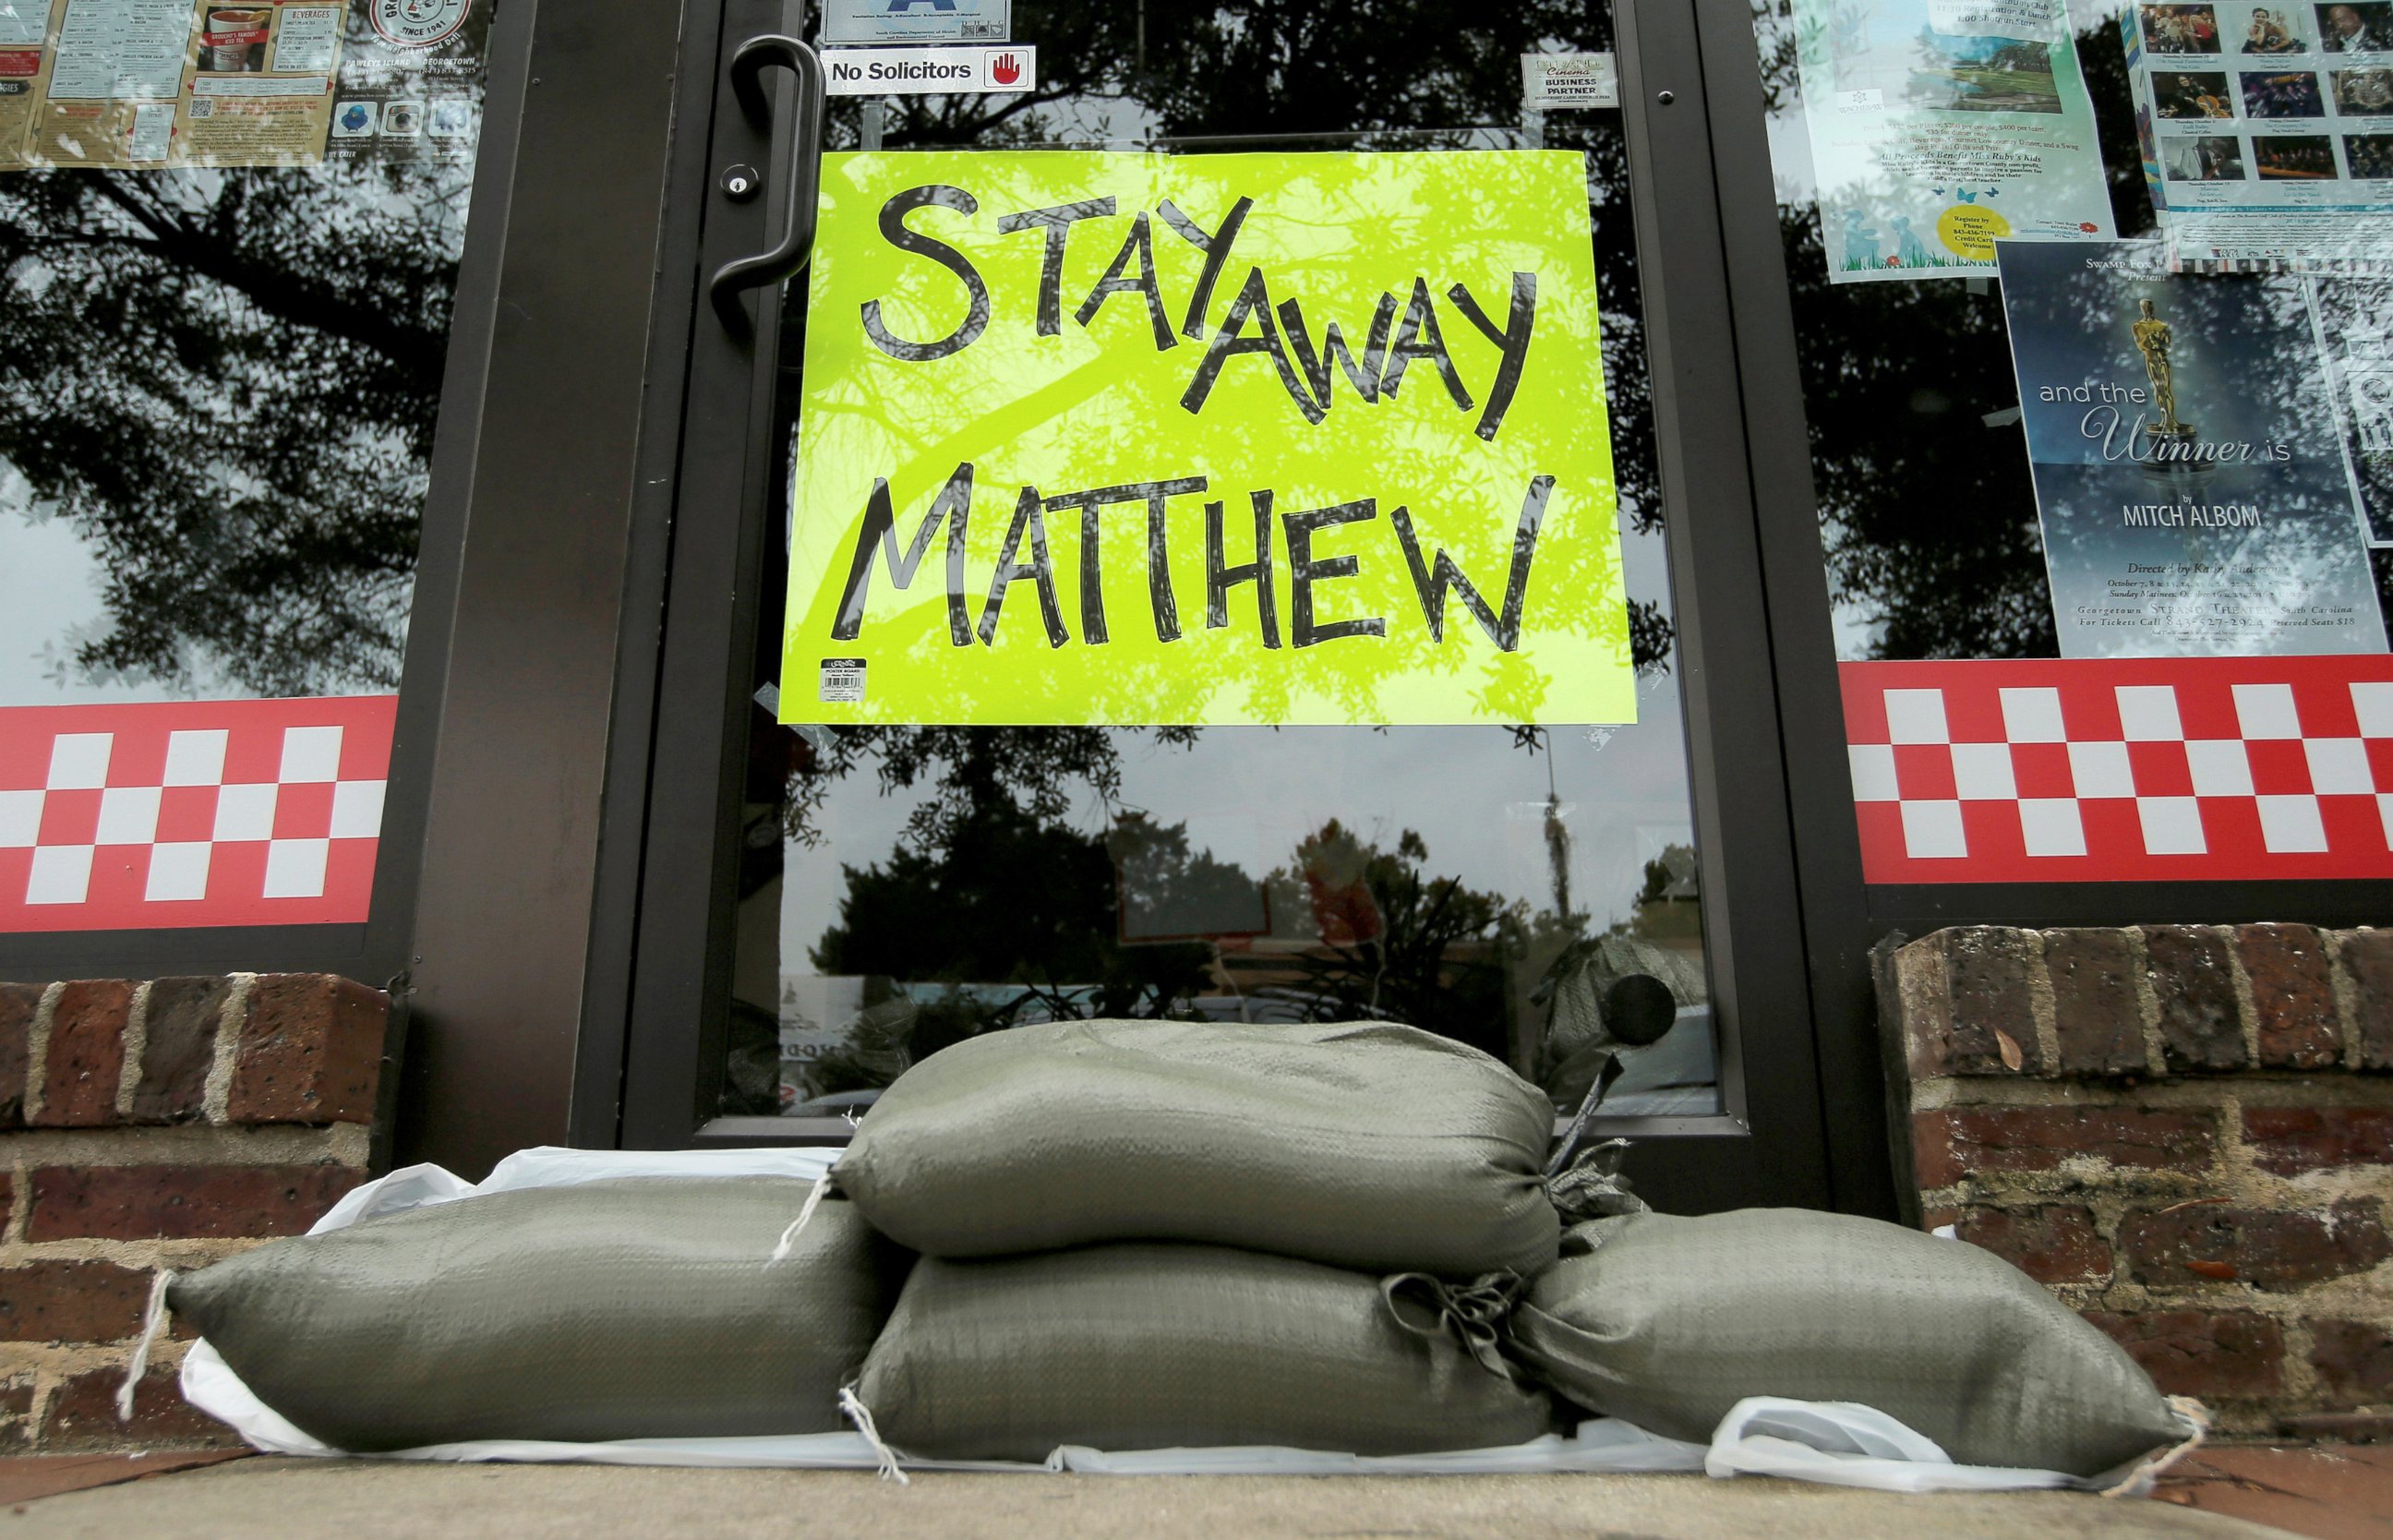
(1669, 1322)
(1365, 1145)
(1160, 1346)
(616, 1310)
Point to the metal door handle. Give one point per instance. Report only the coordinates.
(797, 243)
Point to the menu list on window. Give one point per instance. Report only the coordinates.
(151, 84)
(2190, 480)
(2266, 130)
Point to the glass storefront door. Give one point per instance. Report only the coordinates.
(325, 344)
(831, 902)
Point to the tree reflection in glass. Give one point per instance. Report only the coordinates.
(225, 382)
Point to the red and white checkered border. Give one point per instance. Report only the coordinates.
(184, 813)
(2109, 770)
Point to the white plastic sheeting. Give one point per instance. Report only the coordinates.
(1834, 1443)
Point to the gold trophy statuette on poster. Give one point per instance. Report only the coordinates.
(2172, 438)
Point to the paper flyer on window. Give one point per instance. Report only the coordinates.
(24, 72)
(138, 84)
(2268, 130)
(2188, 476)
(1941, 126)
(1110, 438)
(134, 83)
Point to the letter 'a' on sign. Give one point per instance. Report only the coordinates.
(1120, 439)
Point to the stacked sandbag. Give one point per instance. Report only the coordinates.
(1582, 991)
(640, 1307)
(1362, 1145)
(1157, 1346)
(1142, 1234)
(1156, 1234)
(1668, 1323)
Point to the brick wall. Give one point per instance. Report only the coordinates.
(167, 1123)
(2186, 1132)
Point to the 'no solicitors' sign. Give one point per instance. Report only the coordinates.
(914, 71)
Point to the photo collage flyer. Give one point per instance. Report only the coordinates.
(2267, 129)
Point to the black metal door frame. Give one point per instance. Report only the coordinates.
(671, 873)
(667, 918)
(568, 462)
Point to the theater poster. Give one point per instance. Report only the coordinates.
(2189, 473)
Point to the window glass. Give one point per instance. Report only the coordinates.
(2260, 123)
(230, 236)
(903, 887)
(224, 349)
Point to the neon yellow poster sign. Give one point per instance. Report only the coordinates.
(1094, 437)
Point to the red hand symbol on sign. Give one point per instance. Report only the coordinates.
(1005, 69)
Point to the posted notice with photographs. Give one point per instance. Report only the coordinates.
(2268, 130)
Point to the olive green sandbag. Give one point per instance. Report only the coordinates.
(642, 1308)
(1668, 1323)
(1151, 1346)
(1367, 1145)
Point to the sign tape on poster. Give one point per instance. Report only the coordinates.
(1095, 438)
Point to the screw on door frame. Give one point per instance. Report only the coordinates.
(1665, 98)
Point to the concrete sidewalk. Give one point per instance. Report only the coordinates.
(367, 1500)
